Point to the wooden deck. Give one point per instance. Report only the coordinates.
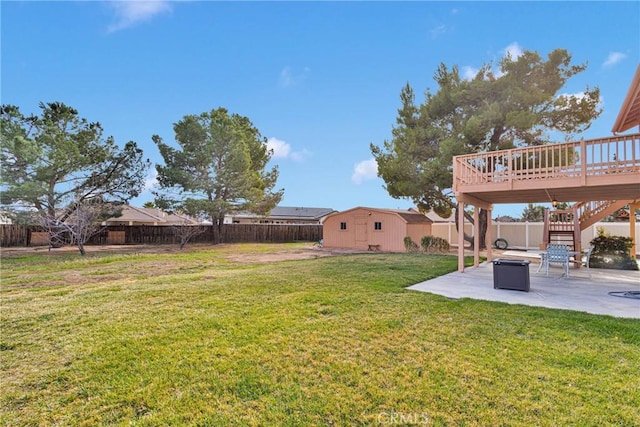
(587, 170)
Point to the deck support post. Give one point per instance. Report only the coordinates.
(461, 237)
(632, 228)
(476, 236)
(489, 236)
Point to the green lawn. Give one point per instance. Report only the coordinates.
(201, 338)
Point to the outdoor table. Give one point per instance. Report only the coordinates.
(570, 254)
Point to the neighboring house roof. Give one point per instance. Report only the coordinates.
(410, 216)
(132, 214)
(622, 214)
(302, 213)
(505, 218)
(5, 219)
(629, 115)
(437, 218)
(286, 212)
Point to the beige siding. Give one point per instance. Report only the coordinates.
(390, 237)
(334, 237)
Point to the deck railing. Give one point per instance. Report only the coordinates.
(590, 212)
(603, 156)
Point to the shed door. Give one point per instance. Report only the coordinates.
(361, 229)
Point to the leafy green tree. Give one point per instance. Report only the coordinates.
(533, 213)
(517, 106)
(218, 168)
(57, 162)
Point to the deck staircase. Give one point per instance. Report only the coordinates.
(562, 227)
(565, 226)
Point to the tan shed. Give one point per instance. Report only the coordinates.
(374, 229)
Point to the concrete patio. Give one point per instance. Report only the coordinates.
(577, 292)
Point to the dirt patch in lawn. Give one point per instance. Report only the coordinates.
(235, 256)
(124, 249)
(256, 258)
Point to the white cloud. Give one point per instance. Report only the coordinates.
(569, 96)
(286, 79)
(131, 12)
(514, 51)
(469, 73)
(436, 31)
(365, 170)
(301, 156)
(613, 59)
(578, 96)
(151, 181)
(280, 148)
(289, 77)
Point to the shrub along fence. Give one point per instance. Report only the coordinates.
(18, 235)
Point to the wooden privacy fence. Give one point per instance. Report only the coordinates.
(18, 235)
(15, 235)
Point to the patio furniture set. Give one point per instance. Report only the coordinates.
(560, 254)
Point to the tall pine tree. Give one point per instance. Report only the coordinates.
(218, 168)
(518, 105)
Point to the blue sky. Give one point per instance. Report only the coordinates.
(320, 80)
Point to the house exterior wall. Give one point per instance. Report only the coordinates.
(361, 232)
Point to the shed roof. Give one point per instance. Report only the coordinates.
(629, 115)
(409, 216)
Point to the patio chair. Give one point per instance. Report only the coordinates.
(558, 254)
(585, 259)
